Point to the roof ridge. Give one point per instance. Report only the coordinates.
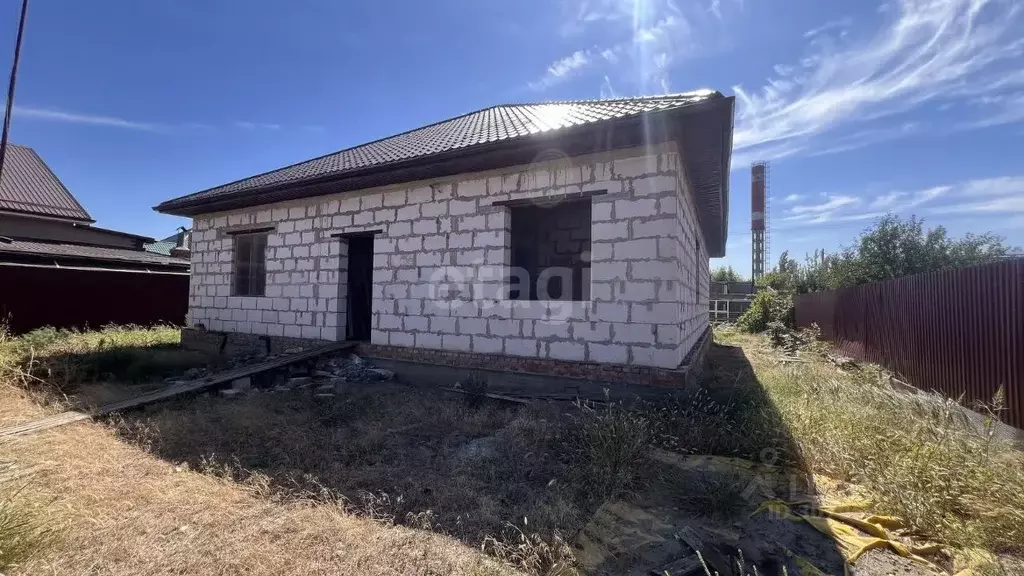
(671, 96)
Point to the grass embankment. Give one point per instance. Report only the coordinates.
(915, 454)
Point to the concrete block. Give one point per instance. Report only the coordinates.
(591, 331)
(654, 270)
(485, 345)
(425, 226)
(610, 230)
(653, 313)
(633, 333)
(410, 212)
(550, 329)
(636, 249)
(657, 357)
(527, 347)
(428, 340)
(472, 325)
(608, 353)
(402, 339)
(504, 327)
(459, 207)
(567, 351)
(456, 342)
(641, 208)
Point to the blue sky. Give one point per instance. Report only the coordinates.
(865, 107)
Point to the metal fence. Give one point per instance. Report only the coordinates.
(959, 332)
(64, 298)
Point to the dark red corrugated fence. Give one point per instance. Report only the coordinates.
(64, 298)
(960, 332)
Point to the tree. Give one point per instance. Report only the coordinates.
(894, 247)
(725, 274)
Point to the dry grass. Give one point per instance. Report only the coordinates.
(915, 453)
(120, 510)
(24, 531)
(513, 480)
(392, 481)
(54, 365)
(267, 481)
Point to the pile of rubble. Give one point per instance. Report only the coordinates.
(324, 377)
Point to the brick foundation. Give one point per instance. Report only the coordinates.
(680, 377)
(236, 344)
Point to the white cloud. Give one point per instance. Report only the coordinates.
(716, 8)
(887, 200)
(257, 126)
(834, 203)
(607, 90)
(610, 55)
(985, 197)
(561, 68)
(841, 24)
(79, 118)
(1004, 110)
(994, 186)
(1010, 205)
(643, 40)
(926, 50)
(792, 198)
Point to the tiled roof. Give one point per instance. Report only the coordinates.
(161, 247)
(76, 251)
(29, 186)
(490, 125)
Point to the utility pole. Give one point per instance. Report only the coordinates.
(10, 89)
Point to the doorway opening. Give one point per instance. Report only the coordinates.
(359, 284)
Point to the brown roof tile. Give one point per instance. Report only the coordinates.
(498, 123)
(77, 251)
(27, 185)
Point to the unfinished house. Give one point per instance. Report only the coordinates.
(567, 238)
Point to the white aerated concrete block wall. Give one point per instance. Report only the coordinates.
(441, 257)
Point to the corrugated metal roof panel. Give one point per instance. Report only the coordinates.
(29, 186)
(494, 124)
(60, 250)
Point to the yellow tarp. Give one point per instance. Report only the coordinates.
(849, 532)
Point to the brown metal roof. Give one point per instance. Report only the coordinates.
(508, 135)
(29, 186)
(13, 248)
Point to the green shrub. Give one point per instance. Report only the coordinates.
(769, 305)
(607, 448)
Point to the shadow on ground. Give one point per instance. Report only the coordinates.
(79, 380)
(721, 451)
(623, 489)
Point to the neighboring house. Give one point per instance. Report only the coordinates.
(176, 244)
(61, 270)
(569, 238)
(729, 300)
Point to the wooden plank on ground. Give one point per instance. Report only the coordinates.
(174, 390)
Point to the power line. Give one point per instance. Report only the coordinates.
(10, 89)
